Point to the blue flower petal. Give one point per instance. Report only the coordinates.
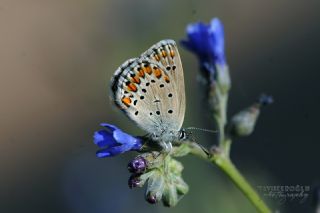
(112, 151)
(216, 34)
(102, 154)
(114, 141)
(109, 126)
(123, 138)
(103, 138)
(198, 36)
(206, 41)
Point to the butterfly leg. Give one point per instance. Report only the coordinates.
(166, 147)
(169, 147)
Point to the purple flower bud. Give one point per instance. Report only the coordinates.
(265, 100)
(135, 181)
(155, 188)
(137, 165)
(152, 199)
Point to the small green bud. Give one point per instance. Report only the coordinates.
(170, 197)
(175, 185)
(182, 187)
(155, 187)
(175, 167)
(243, 123)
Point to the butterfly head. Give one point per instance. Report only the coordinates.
(172, 136)
(184, 134)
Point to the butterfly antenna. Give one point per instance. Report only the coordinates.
(200, 129)
(202, 147)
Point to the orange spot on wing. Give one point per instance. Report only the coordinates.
(166, 78)
(148, 70)
(172, 53)
(132, 87)
(164, 54)
(157, 57)
(157, 72)
(136, 79)
(141, 73)
(126, 101)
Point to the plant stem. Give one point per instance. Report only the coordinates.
(220, 116)
(225, 164)
(220, 154)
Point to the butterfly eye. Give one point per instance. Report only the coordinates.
(182, 135)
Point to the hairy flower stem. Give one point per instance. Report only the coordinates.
(225, 164)
(221, 119)
(221, 154)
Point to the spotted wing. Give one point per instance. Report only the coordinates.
(150, 89)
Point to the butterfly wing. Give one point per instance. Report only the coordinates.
(150, 90)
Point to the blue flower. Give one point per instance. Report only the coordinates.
(207, 42)
(114, 141)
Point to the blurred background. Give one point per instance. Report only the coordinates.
(56, 60)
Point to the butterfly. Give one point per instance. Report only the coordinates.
(150, 90)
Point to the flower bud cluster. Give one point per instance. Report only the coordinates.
(162, 176)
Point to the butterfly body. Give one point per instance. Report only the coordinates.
(150, 91)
